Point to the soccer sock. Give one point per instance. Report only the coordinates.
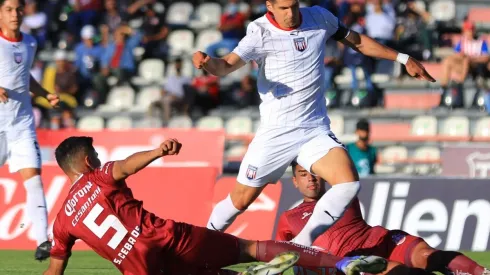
(36, 208)
(455, 262)
(308, 257)
(328, 210)
(223, 215)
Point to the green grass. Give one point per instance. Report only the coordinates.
(86, 263)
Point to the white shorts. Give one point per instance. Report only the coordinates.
(273, 149)
(19, 154)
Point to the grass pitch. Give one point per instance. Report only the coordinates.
(87, 263)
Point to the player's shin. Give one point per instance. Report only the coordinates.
(327, 211)
(36, 208)
(223, 215)
(448, 262)
(308, 257)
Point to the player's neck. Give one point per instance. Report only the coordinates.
(272, 20)
(361, 145)
(10, 35)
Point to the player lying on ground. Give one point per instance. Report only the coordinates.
(18, 141)
(101, 211)
(351, 235)
(288, 44)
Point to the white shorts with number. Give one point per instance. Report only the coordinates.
(19, 154)
(273, 149)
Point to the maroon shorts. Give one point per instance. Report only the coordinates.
(197, 250)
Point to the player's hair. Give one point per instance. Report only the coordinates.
(362, 124)
(293, 166)
(22, 2)
(70, 149)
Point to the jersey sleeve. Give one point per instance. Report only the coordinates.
(103, 175)
(251, 46)
(62, 242)
(336, 29)
(283, 230)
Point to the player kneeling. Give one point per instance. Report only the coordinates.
(101, 210)
(351, 235)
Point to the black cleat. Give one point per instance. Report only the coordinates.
(43, 251)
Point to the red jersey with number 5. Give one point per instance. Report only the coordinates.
(104, 214)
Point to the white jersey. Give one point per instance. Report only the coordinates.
(16, 58)
(291, 68)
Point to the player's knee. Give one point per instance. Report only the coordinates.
(241, 203)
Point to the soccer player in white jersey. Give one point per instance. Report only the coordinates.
(18, 144)
(288, 45)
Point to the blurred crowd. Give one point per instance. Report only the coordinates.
(92, 41)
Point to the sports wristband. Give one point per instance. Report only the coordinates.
(402, 58)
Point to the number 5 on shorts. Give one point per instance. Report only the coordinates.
(110, 222)
(332, 136)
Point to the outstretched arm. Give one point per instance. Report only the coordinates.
(56, 267)
(218, 66)
(134, 163)
(370, 47)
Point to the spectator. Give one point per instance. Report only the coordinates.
(88, 56)
(332, 62)
(175, 93)
(205, 94)
(84, 12)
(112, 19)
(471, 55)
(381, 21)
(35, 23)
(118, 59)
(232, 27)
(362, 153)
(155, 34)
(257, 9)
(247, 93)
(65, 84)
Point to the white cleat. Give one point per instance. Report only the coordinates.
(277, 265)
(365, 264)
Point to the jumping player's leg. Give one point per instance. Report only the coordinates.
(325, 156)
(25, 158)
(266, 160)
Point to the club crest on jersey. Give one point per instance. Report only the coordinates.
(399, 238)
(251, 172)
(300, 44)
(18, 58)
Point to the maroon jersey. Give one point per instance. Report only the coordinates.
(349, 233)
(104, 214)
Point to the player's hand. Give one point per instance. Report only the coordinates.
(3, 96)
(170, 147)
(54, 99)
(199, 59)
(417, 70)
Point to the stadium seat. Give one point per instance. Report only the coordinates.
(239, 126)
(256, 125)
(90, 123)
(236, 151)
(181, 42)
(187, 68)
(443, 10)
(456, 126)
(427, 153)
(337, 124)
(424, 126)
(206, 38)
(210, 123)
(180, 122)
(150, 71)
(244, 7)
(179, 13)
(119, 123)
(394, 154)
(119, 98)
(148, 123)
(207, 15)
(146, 97)
(482, 128)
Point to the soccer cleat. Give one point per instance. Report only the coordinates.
(43, 251)
(277, 265)
(357, 264)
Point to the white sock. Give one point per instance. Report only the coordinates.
(36, 208)
(327, 211)
(223, 215)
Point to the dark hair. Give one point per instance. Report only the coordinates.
(293, 166)
(22, 2)
(70, 149)
(362, 124)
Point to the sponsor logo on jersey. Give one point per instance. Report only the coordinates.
(306, 215)
(18, 58)
(300, 43)
(251, 172)
(399, 238)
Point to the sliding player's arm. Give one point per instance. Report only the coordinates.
(38, 90)
(134, 163)
(250, 48)
(283, 232)
(56, 267)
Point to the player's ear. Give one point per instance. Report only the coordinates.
(268, 4)
(295, 183)
(88, 162)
